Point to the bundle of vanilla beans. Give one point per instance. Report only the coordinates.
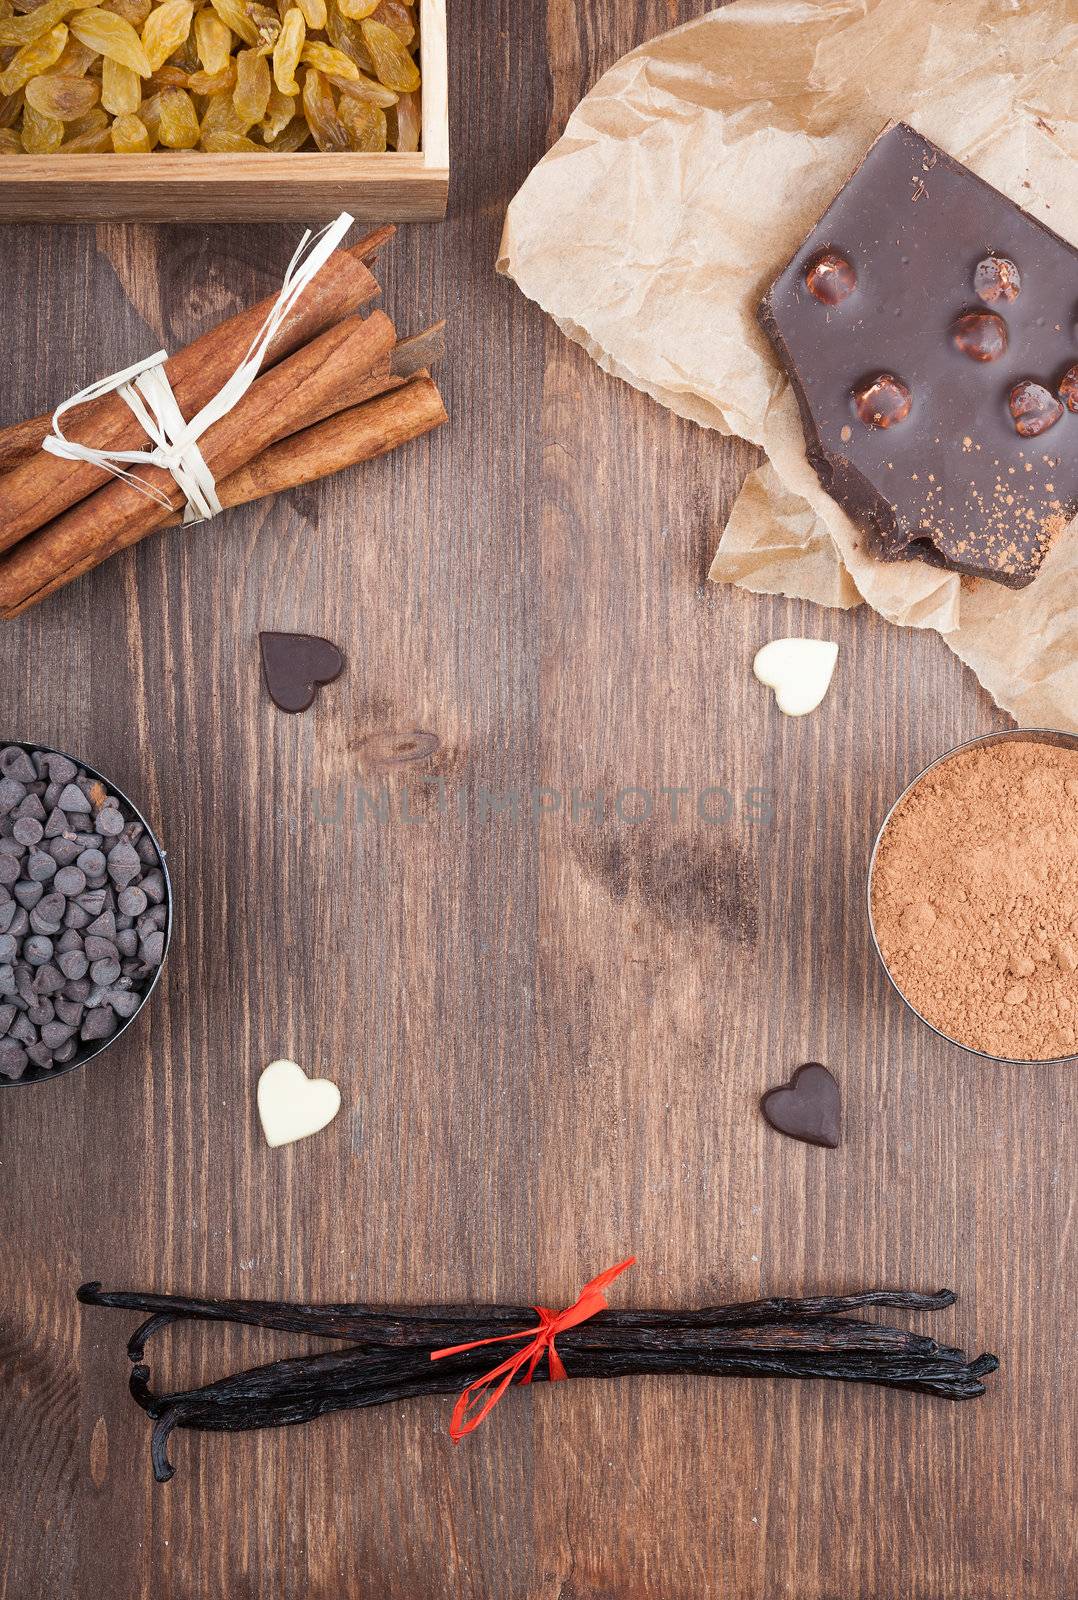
(388, 1353)
(336, 388)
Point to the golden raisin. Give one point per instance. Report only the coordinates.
(287, 50)
(366, 125)
(113, 38)
(165, 29)
(279, 113)
(64, 99)
(409, 123)
(33, 58)
(40, 135)
(229, 144)
(213, 40)
(253, 84)
(130, 136)
(320, 109)
(179, 120)
(393, 65)
(327, 60)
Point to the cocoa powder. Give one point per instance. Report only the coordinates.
(975, 899)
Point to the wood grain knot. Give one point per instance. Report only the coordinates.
(398, 748)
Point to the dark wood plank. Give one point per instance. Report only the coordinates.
(551, 1037)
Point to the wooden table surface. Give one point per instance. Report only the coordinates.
(550, 1037)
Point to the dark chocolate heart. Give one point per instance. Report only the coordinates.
(806, 1108)
(296, 665)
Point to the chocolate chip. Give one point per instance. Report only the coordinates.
(47, 916)
(7, 980)
(59, 768)
(105, 972)
(13, 1059)
(73, 800)
(7, 914)
(75, 916)
(8, 949)
(15, 763)
(69, 1011)
(11, 792)
(99, 949)
(23, 1030)
(41, 1013)
(93, 901)
(63, 850)
(32, 809)
(28, 830)
(131, 902)
(71, 940)
(92, 863)
(77, 990)
(9, 871)
(104, 926)
(1034, 409)
(49, 980)
(99, 1023)
(41, 867)
(996, 278)
(73, 964)
(1068, 388)
(7, 1017)
(125, 1002)
(55, 824)
(70, 881)
(20, 922)
(830, 278)
(37, 950)
(123, 864)
(127, 941)
(110, 823)
(55, 1034)
(152, 949)
(153, 886)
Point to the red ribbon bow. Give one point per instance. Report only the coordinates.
(590, 1300)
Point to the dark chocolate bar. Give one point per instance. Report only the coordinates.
(928, 327)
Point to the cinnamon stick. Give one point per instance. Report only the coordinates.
(359, 434)
(40, 487)
(318, 380)
(22, 441)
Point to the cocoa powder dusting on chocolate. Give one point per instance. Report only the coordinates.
(975, 899)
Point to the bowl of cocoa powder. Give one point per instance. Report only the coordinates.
(973, 896)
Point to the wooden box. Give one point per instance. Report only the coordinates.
(188, 186)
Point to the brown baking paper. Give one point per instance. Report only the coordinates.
(689, 176)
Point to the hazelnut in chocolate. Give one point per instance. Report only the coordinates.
(927, 326)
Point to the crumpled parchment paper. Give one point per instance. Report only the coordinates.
(688, 177)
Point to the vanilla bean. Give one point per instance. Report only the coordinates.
(806, 1338)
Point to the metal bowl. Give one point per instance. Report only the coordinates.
(87, 1052)
(1061, 741)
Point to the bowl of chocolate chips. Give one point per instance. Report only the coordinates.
(85, 913)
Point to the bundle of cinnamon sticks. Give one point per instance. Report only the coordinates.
(336, 388)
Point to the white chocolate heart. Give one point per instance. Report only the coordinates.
(799, 671)
(293, 1106)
